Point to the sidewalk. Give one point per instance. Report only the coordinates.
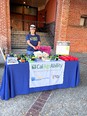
(59, 102)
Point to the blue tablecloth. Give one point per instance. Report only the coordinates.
(16, 79)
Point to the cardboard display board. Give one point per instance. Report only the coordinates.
(62, 47)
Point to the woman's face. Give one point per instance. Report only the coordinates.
(32, 30)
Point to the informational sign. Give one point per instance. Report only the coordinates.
(12, 60)
(46, 73)
(63, 47)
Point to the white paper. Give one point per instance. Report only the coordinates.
(12, 60)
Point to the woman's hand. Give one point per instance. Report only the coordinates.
(28, 42)
(37, 47)
(34, 48)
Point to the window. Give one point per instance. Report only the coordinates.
(83, 21)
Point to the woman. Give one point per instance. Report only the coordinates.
(33, 40)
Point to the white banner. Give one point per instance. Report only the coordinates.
(46, 73)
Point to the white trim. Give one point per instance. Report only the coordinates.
(43, 7)
(46, 2)
(82, 21)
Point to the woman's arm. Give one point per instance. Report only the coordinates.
(39, 43)
(28, 42)
(38, 46)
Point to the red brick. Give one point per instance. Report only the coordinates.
(5, 25)
(67, 24)
(32, 112)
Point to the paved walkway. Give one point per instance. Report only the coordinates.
(59, 102)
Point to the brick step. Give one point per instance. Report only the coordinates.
(25, 33)
(19, 47)
(15, 43)
(19, 51)
(18, 39)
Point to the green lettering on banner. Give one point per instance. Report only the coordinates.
(46, 66)
(56, 65)
(33, 66)
(40, 66)
(59, 65)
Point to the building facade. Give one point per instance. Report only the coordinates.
(69, 17)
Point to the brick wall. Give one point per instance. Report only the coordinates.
(50, 10)
(41, 18)
(61, 20)
(5, 25)
(76, 34)
(68, 24)
(78, 38)
(77, 8)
